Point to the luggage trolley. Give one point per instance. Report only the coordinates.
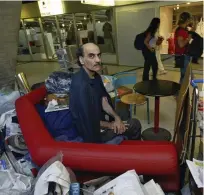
(192, 136)
(194, 117)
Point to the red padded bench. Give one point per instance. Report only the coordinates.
(155, 159)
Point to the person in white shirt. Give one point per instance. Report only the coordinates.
(148, 50)
(161, 69)
(157, 47)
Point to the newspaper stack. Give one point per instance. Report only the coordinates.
(129, 183)
(196, 169)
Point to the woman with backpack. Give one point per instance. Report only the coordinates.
(148, 51)
(181, 40)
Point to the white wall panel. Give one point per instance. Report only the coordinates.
(129, 24)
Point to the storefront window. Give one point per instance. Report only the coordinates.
(85, 30)
(105, 30)
(52, 36)
(67, 31)
(35, 38)
(169, 22)
(41, 38)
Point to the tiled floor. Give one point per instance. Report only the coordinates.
(38, 72)
(170, 62)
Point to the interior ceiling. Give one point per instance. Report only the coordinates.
(200, 3)
(127, 2)
(117, 2)
(24, 2)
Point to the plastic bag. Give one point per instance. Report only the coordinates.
(7, 101)
(11, 182)
(14, 183)
(108, 82)
(58, 157)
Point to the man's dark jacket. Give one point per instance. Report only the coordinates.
(86, 105)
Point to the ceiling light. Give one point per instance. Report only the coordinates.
(177, 8)
(188, 3)
(63, 25)
(99, 2)
(84, 17)
(99, 21)
(177, 5)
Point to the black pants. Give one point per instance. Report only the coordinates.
(132, 133)
(195, 60)
(150, 61)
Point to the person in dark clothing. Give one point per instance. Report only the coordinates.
(195, 48)
(181, 40)
(91, 105)
(149, 49)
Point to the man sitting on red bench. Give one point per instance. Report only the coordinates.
(90, 104)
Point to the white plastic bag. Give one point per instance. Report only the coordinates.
(108, 82)
(14, 183)
(58, 158)
(7, 101)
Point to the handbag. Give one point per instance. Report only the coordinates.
(179, 61)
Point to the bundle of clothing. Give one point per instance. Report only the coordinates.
(58, 123)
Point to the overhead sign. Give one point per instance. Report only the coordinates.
(99, 2)
(51, 7)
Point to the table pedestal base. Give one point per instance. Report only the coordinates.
(162, 134)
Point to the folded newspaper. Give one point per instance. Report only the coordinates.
(54, 106)
(129, 183)
(196, 169)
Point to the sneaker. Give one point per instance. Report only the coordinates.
(162, 72)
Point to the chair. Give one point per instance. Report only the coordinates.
(121, 81)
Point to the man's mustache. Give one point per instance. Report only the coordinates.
(98, 64)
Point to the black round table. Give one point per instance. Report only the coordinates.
(157, 89)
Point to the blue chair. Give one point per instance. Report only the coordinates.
(124, 79)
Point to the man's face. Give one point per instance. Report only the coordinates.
(92, 57)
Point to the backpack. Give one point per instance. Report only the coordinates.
(195, 48)
(139, 41)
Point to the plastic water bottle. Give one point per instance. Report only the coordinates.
(74, 189)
